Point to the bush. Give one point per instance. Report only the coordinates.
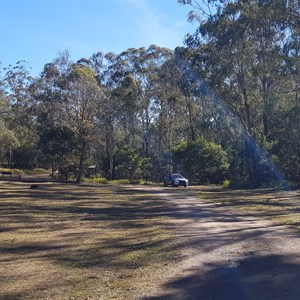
(144, 182)
(226, 183)
(13, 171)
(95, 180)
(240, 184)
(38, 171)
(121, 181)
(201, 161)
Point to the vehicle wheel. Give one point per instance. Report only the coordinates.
(165, 184)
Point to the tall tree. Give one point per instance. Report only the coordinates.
(69, 96)
(20, 117)
(238, 53)
(79, 106)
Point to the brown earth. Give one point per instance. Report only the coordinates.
(230, 254)
(147, 243)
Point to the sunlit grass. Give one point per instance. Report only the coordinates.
(280, 206)
(105, 242)
(79, 242)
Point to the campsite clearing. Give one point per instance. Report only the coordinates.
(66, 241)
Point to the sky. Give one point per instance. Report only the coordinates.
(37, 30)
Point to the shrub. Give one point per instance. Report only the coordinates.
(226, 183)
(201, 161)
(38, 171)
(95, 180)
(121, 181)
(14, 171)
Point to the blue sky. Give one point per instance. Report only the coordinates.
(36, 30)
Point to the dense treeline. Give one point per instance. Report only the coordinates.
(225, 106)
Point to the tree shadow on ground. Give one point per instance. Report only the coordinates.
(263, 277)
(120, 227)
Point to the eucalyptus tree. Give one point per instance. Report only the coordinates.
(126, 94)
(107, 131)
(58, 145)
(47, 93)
(237, 51)
(17, 81)
(173, 119)
(224, 61)
(4, 101)
(19, 116)
(205, 115)
(144, 66)
(287, 135)
(8, 142)
(201, 112)
(110, 74)
(2, 96)
(133, 103)
(79, 107)
(69, 96)
(205, 162)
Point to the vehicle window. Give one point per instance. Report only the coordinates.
(177, 176)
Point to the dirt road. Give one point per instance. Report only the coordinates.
(103, 242)
(227, 254)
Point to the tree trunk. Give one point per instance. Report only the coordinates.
(110, 147)
(191, 125)
(250, 146)
(81, 161)
(111, 166)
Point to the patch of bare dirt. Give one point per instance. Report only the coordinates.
(87, 242)
(227, 254)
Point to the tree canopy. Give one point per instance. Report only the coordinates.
(224, 106)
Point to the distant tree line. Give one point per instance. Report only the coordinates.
(225, 106)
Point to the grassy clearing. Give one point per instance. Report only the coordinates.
(280, 206)
(22, 172)
(105, 241)
(80, 242)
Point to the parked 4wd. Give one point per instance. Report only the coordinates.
(175, 180)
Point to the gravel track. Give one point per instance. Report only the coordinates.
(227, 254)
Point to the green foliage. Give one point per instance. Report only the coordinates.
(238, 184)
(131, 165)
(8, 142)
(226, 183)
(99, 180)
(201, 161)
(144, 182)
(234, 84)
(28, 157)
(58, 145)
(246, 53)
(57, 141)
(38, 171)
(127, 161)
(13, 171)
(84, 73)
(120, 181)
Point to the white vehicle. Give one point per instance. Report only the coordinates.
(175, 180)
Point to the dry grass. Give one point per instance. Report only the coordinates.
(80, 242)
(105, 242)
(280, 206)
